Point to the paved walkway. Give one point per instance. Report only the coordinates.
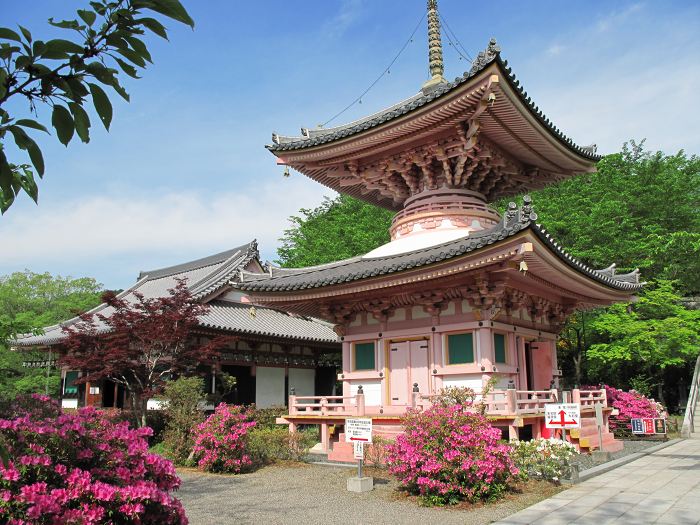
(663, 487)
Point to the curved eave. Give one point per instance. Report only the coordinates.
(303, 280)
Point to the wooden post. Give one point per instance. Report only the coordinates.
(324, 406)
(325, 437)
(360, 402)
(576, 396)
(512, 401)
(292, 404)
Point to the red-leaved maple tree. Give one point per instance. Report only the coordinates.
(139, 342)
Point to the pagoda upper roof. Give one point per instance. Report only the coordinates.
(339, 273)
(315, 137)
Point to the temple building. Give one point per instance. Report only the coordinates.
(461, 294)
(269, 350)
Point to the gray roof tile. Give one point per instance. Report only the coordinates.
(320, 136)
(514, 220)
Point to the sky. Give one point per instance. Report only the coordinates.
(183, 172)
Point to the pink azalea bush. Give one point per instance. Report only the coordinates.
(81, 468)
(631, 405)
(451, 453)
(221, 440)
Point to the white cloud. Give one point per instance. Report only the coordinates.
(89, 234)
(555, 50)
(349, 13)
(615, 18)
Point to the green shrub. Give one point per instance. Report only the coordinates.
(182, 415)
(269, 444)
(265, 417)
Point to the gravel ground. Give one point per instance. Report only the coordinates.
(587, 461)
(315, 494)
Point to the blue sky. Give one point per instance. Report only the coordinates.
(183, 173)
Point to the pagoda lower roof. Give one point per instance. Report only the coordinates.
(316, 137)
(360, 268)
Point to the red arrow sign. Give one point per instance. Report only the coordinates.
(358, 439)
(562, 420)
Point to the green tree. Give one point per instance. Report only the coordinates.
(62, 73)
(647, 341)
(28, 302)
(338, 229)
(640, 209)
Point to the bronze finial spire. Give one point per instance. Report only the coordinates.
(436, 64)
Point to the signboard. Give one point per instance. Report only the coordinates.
(358, 430)
(358, 448)
(659, 426)
(648, 425)
(562, 415)
(637, 426)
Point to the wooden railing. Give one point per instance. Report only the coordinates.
(588, 398)
(509, 402)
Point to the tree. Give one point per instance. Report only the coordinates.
(338, 229)
(28, 302)
(646, 341)
(139, 343)
(61, 74)
(639, 209)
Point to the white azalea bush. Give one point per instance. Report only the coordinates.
(547, 459)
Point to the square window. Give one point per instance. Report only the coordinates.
(460, 348)
(499, 346)
(364, 356)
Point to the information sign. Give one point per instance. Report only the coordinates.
(648, 426)
(358, 448)
(562, 415)
(358, 430)
(637, 426)
(659, 426)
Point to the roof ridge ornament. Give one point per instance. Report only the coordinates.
(518, 215)
(486, 56)
(435, 61)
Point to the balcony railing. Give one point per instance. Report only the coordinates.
(502, 403)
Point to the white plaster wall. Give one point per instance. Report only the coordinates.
(372, 390)
(472, 381)
(269, 386)
(417, 312)
(303, 380)
(398, 315)
(69, 403)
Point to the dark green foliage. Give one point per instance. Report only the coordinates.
(29, 302)
(640, 209)
(58, 73)
(270, 444)
(182, 413)
(338, 229)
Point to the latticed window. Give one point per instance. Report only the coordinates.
(364, 356)
(460, 348)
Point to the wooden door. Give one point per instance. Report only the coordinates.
(420, 372)
(399, 373)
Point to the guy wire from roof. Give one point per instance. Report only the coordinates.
(386, 70)
(456, 44)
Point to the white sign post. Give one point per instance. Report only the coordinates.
(599, 422)
(358, 432)
(562, 416)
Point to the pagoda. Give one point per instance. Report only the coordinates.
(461, 294)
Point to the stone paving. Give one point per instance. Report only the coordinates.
(663, 487)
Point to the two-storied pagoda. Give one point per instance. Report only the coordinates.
(460, 294)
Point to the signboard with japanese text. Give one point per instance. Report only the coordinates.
(358, 448)
(659, 426)
(562, 415)
(637, 426)
(358, 430)
(648, 425)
